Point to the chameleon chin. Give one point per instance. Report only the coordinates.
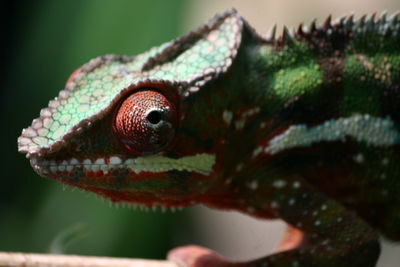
(304, 126)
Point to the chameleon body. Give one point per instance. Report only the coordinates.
(302, 127)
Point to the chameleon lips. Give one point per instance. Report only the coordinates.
(200, 163)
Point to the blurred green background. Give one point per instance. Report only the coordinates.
(43, 42)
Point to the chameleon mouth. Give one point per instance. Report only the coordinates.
(200, 163)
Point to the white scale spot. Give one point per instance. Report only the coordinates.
(95, 168)
(115, 160)
(385, 161)
(292, 201)
(99, 161)
(279, 184)
(324, 207)
(359, 158)
(251, 112)
(325, 242)
(257, 151)
(239, 124)
(317, 223)
(253, 185)
(87, 162)
(340, 219)
(227, 117)
(274, 204)
(62, 168)
(239, 167)
(296, 184)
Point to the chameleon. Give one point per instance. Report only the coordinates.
(303, 127)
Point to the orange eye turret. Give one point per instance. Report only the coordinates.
(145, 122)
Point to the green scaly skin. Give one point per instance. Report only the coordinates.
(303, 127)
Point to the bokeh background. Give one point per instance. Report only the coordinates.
(43, 41)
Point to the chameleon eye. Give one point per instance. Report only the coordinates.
(145, 122)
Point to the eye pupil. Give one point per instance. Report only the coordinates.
(154, 117)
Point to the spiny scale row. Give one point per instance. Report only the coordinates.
(365, 24)
(142, 207)
(134, 206)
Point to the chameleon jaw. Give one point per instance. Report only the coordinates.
(200, 163)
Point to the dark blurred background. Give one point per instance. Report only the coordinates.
(43, 42)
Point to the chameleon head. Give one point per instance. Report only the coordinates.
(135, 153)
(129, 128)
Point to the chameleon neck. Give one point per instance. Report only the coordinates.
(342, 78)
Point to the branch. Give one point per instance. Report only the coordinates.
(12, 259)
